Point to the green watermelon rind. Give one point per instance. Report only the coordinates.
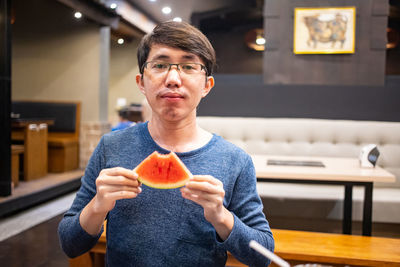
(178, 184)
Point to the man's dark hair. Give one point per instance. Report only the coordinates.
(123, 113)
(179, 35)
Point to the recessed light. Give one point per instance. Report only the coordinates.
(166, 10)
(152, 0)
(78, 15)
(177, 19)
(113, 6)
(120, 41)
(260, 40)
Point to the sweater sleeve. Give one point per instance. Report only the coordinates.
(249, 220)
(73, 238)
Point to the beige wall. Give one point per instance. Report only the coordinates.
(54, 56)
(123, 69)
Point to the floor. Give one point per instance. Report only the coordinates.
(35, 192)
(51, 179)
(17, 223)
(36, 247)
(29, 238)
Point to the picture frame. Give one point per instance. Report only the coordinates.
(324, 30)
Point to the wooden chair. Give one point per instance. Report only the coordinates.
(16, 152)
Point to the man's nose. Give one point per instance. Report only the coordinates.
(173, 77)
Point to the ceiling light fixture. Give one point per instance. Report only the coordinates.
(120, 41)
(113, 6)
(177, 19)
(255, 39)
(260, 40)
(78, 15)
(152, 0)
(393, 38)
(166, 10)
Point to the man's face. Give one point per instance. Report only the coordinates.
(173, 95)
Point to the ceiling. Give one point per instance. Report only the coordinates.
(208, 15)
(205, 14)
(181, 8)
(211, 15)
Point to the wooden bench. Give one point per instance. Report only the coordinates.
(63, 134)
(300, 247)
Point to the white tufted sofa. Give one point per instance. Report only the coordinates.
(318, 137)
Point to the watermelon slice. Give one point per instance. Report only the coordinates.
(163, 171)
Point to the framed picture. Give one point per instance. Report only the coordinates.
(327, 30)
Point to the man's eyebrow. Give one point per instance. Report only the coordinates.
(165, 57)
(158, 57)
(188, 56)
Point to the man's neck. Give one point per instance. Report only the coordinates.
(182, 136)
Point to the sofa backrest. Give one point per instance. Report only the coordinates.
(311, 137)
(66, 115)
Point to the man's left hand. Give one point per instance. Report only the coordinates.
(209, 193)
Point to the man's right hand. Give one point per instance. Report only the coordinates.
(111, 185)
(114, 184)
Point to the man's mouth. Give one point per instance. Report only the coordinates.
(172, 96)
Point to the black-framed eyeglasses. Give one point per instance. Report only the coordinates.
(160, 67)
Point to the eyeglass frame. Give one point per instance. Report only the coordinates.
(177, 66)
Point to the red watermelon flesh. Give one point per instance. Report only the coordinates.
(163, 171)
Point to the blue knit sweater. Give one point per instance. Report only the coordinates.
(159, 227)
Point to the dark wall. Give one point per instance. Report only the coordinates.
(365, 67)
(247, 96)
(233, 55)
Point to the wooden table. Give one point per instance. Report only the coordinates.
(336, 171)
(336, 248)
(298, 246)
(33, 133)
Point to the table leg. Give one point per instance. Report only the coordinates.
(347, 209)
(367, 212)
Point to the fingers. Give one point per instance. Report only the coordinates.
(204, 188)
(206, 178)
(209, 193)
(117, 182)
(106, 189)
(118, 176)
(119, 171)
(205, 183)
(114, 184)
(203, 196)
(122, 194)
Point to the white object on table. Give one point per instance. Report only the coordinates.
(270, 255)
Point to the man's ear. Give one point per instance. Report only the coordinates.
(139, 82)
(209, 86)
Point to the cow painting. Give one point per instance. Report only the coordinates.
(326, 29)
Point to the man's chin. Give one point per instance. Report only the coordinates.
(176, 115)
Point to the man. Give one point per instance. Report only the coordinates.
(217, 211)
(124, 121)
